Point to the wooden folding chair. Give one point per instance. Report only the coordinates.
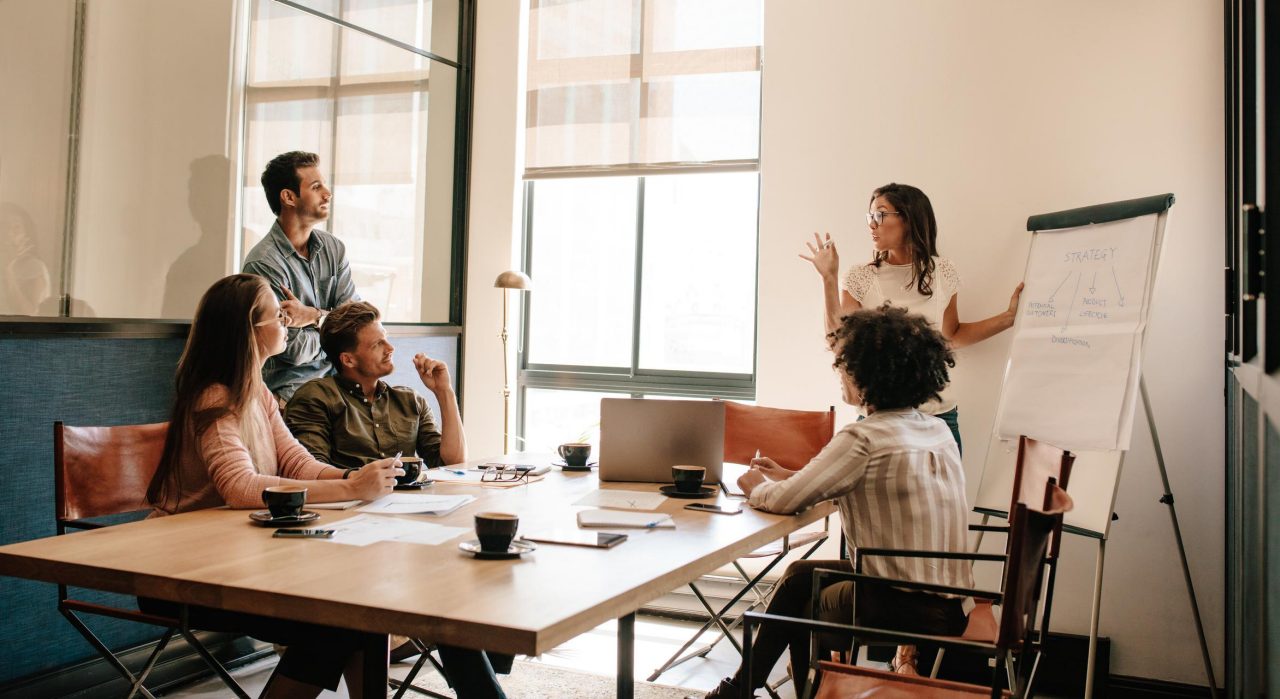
(791, 438)
(104, 471)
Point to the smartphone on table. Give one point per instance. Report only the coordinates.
(303, 534)
(726, 509)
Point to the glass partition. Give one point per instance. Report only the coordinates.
(129, 169)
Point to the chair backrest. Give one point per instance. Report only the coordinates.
(1038, 462)
(789, 437)
(1030, 535)
(102, 471)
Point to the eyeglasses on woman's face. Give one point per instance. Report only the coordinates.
(281, 317)
(875, 218)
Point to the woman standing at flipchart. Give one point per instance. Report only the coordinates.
(905, 271)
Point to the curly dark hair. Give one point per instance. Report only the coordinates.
(896, 359)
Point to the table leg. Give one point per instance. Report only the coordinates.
(626, 655)
(375, 665)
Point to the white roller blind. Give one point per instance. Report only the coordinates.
(622, 84)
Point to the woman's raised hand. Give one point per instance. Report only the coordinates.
(376, 478)
(823, 256)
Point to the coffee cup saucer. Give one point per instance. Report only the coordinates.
(518, 548)
(703, 492)
(566, 467)
(264, 518)
(416, 485)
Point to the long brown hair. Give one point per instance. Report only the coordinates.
(922, 231)
(221, 350)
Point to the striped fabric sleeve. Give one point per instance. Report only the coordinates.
(835, 471)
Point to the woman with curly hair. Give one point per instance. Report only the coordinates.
(897, 481)
(906, 271)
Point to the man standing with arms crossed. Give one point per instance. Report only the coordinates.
(307, 269)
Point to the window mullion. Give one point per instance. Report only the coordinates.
(639, 282)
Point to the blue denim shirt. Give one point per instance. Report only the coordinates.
(323, 281)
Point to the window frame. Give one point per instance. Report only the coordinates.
(465, 89)
(632, 380)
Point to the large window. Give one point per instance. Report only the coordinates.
(641, 201)
(378, 104)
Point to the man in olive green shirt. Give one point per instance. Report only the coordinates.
(354, 417)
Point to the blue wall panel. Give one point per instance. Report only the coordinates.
(89, 381)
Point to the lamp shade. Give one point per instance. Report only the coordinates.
(511, 279)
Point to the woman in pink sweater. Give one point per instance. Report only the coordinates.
(226, 443)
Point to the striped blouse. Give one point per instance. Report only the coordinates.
(897, 480)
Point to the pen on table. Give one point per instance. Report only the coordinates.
(454, 471)
(656, 522)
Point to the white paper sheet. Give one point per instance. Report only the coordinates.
(414, 504)
(625, 520)
(1073, 365)
(623, 500)
(340, 505)
(363, 530)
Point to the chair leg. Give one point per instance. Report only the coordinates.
(937, 663)
(213, 664)
(104, 651)
(151, 663)
(401, 686)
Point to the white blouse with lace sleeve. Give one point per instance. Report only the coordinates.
(946, 278)
(858, 281)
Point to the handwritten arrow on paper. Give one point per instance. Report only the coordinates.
(1117, 280)
(1093, 285)
(1067, 320)
(1055, 291)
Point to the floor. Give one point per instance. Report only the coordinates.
(656, 639)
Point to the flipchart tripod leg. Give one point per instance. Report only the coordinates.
(1167, 499)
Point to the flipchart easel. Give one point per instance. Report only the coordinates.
(1045, 359)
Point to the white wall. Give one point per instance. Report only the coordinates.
(494, 219)
(1000, 109)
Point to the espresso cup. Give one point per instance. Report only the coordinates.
(495, 530)
(575, 453)
(284, 500)
(688, 479)
(412, 466)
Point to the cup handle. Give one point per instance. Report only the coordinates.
(560, 451)
(264, 498)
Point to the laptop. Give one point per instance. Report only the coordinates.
(642, 438)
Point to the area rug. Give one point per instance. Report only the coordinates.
(534, 680)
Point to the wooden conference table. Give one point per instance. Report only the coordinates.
(217, 558)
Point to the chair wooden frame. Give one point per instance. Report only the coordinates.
(746, 431)
(139, 448)
(1030, 535)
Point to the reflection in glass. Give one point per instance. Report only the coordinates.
(583, 258)
(697, 311)
(430, 25)
(35, 79)
(383, 124)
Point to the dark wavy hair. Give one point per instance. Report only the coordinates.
(896, 359)
(922, 231)
(282, 173)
